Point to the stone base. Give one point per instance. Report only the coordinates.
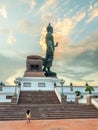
(34, 74)
(77, 99)
(14, 100)
(50, 74)
(63, 99)
(89, 99)
(37, 83)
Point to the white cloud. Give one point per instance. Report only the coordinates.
(48, 4)
(51, 9)
(92, 15)
(3, 12)
(47, 16)
(27, 27)
(82, 55)
(90, 7)
(11, 39)
(4, 31)
(31, 3)
(24, 26)
(80, 16)
(93, 12)
(65, 27)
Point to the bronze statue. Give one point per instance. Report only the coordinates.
(47, 62)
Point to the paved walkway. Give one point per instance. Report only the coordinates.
(63, 124)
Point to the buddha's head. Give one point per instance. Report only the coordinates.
(49, 28)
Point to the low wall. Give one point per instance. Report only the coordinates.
(18, 93)
(82, 101)
(93, 102)
(7, 89)
(3, 98)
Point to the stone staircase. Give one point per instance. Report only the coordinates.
(45, 105)
(38, 97)
(48, 111)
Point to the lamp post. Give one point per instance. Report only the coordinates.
(17, 83)
(62, 81)
(15, 86)
(1, 85)
(71, 86)
(54, 85)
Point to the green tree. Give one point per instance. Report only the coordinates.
(78, 93)
(89, 89)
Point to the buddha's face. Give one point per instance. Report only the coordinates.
(51, 30)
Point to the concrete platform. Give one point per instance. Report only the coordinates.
(66, 124)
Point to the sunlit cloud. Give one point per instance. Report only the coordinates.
(80, 16)
(42, 39)
(3, 12)
(11, 79)
(93, 12)
(62, 30)
(93, 15)
(33, 3)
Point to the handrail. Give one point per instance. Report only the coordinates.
(94, 102)
(58, 94)
(18, 93)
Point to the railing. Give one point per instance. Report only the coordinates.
(17, 93)
(58, 94)
(82, 101)
(94, 102)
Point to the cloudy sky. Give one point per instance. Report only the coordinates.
(22, 33)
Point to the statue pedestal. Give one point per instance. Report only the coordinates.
(37, 83)
(50, 74)
(34, 66)
(33, 74)
(34, 78)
